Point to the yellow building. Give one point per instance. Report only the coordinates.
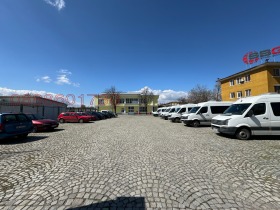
(129, 103)
(257, 80)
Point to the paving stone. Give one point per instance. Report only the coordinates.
(139, 161)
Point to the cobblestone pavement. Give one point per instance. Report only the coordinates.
(138, 162)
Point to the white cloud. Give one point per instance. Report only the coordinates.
(63, 78)
(59, 4)
(166, 96)
(41, 93)
(9, 92)
(45, 79)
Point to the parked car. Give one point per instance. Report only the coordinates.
(93, 118)
(14, 125)
(41, 123)
(73, 117)
(256, 115)
(95, 114)
(110, 113)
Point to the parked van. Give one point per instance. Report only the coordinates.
(256, 115)
(171, 110)
(176, 116)
(159, 110)
(165, 111)
(204, 112)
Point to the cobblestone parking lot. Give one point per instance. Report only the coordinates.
(138, 162)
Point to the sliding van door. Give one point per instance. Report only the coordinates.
(275, 118)
(260, 121)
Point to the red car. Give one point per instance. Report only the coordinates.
(42, 124)
(73, 117)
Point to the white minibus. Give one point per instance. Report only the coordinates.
(255, 115)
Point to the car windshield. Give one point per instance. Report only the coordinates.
(237, 109)
(194, 109)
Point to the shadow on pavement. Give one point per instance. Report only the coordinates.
(133, 203)
(253, 138)
(18, 140)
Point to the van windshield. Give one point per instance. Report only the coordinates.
(194, 109)
(236, 109)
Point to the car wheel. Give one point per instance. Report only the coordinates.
(61, 120)
(35, 129)
(195, 123)
(243, 134)
(81, 120)
(23, 136)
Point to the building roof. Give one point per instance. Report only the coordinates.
(250, 70)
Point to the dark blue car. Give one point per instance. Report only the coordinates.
(12, 125)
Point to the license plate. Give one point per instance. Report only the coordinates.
(20, 126)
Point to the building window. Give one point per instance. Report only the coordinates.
(232, 95)
(239, 80)
(101, 101)
(277, 89)
(239, 94)
(131, 109)
(247, 78)
(142, 109)
(276, 72)
(248, 92)
(131, 100)
(231, 82)
(121, 101)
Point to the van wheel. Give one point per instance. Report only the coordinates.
(177, 120)
(243, 134)
(195, 123)
(81, 120)
(61, 120)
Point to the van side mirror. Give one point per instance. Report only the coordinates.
(250, 113)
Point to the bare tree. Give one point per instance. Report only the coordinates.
(217, 95)
(183, 100)
(113, 95)
(199, 94)
(146, 97)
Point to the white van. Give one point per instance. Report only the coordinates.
(165, 111)
(159, 110)
(204, 112)
(256, 115)
(170, 111)
(176, 116)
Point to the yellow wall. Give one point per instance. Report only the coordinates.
(107, 105)
(272, 81)
(261, 82)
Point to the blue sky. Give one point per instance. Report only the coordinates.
(85, 46)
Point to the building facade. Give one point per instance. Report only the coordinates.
(127, 103)
(33, 105)
(257, 80)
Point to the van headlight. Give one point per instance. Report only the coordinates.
(225, 122)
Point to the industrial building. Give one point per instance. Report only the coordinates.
(32, 104)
